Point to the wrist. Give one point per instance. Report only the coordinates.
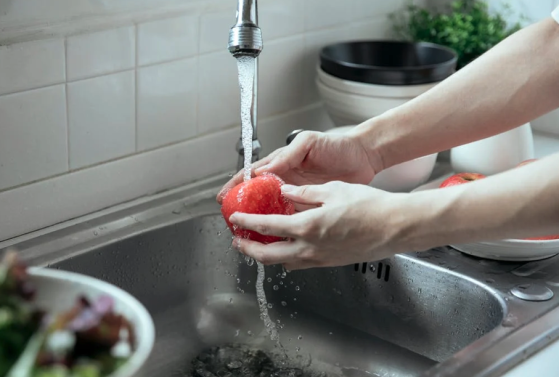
(366, 135)
(418, 224)
(379, 138)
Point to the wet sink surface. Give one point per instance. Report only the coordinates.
(394, 319)
(437, 313)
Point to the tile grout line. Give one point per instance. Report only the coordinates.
(295, 112)
(136, 85)
(198, 91)
(66, 96)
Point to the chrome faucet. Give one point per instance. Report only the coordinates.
(245, 39)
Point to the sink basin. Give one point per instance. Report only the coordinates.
(434, 313)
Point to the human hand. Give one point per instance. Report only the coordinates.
(347, 224)
(315, 158)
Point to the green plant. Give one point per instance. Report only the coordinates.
(467, 26)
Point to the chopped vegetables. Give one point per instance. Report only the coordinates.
(87, 340)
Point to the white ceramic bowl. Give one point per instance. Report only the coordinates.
(494, 154)
(345, 108)
(349, 102)
(58, 290)
(371, 90)
(403, 177)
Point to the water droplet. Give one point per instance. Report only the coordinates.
(275, 287)
(238, 281)
(270, 306)
(299, 337)
(177, 212)
(298, 349)
(249, 333)
(297, 288)
(269, 280)
(95, 233)
(283, 303)
(237, 332)
(231, 300)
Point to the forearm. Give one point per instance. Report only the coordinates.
(520, 203)
(513, 83)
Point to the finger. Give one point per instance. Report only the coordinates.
(267, 225)
(295, 266)
(299, 207)
(238, 178)
(261, 167)
(310, 194)
(291, 156)
(234, 181)
(275, 253)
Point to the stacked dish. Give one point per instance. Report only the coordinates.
(360, 80)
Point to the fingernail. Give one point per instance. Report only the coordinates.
(236, 243)
(288, 188)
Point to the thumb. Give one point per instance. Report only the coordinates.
(286, 158)
(310, 194)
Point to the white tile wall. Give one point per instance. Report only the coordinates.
(372, 8)
(214, 28)
(320, 14)
(150, 103)
(167, 103)
(101, 119)
(33, 144)
(219, 97)
(281, 80)
(100, 53)
(31, 65)
(167, 39)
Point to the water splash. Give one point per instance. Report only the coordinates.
(262, 302)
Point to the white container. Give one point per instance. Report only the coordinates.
(58, 291)
(349, 102)
(403, 177)
(495, 154)
(371, 90)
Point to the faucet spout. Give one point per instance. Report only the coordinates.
(245, 39)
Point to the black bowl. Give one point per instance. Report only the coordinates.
(389, 62)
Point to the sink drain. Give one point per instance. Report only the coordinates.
(532, 292)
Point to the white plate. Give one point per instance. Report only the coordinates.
(58, 290)
(504, 250)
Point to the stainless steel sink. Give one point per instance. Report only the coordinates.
(436, 313)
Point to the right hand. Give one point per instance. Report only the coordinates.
(315, 158)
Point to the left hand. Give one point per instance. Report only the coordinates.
(346, 224)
